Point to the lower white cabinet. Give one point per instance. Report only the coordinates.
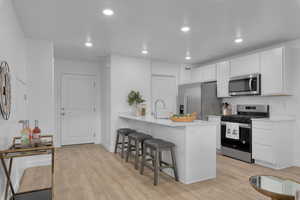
(214, 118)
(272, 143)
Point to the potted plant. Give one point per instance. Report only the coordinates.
(134, 99)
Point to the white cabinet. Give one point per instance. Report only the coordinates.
(223, 73)
(276, 74)
(244, 65)
(272, 143)
(204, 74)
(184, 75)
(214, 118)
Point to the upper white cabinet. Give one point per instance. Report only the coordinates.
(185, 75)
(204, 74)
(244, 65)
(223, 73)
(275, 71)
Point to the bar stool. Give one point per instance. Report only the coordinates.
(123, 133)
(158, 146)
(138, 138)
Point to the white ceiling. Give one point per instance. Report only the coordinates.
(156, 25)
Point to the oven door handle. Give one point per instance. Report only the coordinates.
(250, 84)
(248, 126)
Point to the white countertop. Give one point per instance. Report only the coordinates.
(165, 122)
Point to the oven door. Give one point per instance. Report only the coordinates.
(244, 143)
(245, 85)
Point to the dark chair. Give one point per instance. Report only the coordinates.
(122, 134)
(156, 147)
(136, 143)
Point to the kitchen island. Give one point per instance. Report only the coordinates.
(195, 144)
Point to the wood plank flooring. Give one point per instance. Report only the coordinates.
(89, 172)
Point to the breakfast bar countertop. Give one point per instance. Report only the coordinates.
(165, 122)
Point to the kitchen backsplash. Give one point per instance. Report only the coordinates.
(279, 106)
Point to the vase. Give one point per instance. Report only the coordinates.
(135, 110)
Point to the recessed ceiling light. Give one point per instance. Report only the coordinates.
(88, 44)
(108, 12)
(185, 29)
(188, 57)
(145, 52)
(238, 40)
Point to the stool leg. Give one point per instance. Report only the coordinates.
(156, 167)
(160, 159)
(143, 159)
(117, 142)
(174, 163)
(129, 146)
(123, 146)
(152, 158)
(137, 152)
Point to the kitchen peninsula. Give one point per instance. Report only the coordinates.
(195, 144)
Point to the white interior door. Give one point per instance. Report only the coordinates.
(78, 110)
(165, 88)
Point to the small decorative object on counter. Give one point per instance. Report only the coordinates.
(184, 118)
(143, 109)
(134, 99)
(227, 109)
(36, 134)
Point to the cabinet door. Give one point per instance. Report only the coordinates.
(218, 120)
(245, 65)
(272, 71)
(210, 73)
(223, 72)
(185, 75)
(204, 73)
(197, 74)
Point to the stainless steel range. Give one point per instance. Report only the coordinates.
(236, 131)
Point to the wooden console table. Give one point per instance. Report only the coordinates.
(18, 150)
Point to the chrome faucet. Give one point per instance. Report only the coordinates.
(155, 106)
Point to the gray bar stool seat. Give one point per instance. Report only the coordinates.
(122, 134)
(137, 139)
(157, 146)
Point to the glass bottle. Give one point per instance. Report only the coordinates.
(36, 133)
(24, 133)
(28, 131)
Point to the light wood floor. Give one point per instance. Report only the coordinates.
(88, 172)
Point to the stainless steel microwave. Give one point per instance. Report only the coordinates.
(245, 85)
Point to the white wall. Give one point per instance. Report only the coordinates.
(126, 74)
(40, 70)
(281, 105)
(72, 66)
(105, 104)
(12, 49)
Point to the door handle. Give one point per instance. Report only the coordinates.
(250, 84)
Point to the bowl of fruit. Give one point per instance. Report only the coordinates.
(184, 118)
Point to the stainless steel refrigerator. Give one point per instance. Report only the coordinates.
(199, 97)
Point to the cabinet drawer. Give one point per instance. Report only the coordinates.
(262, 125)
(263, 153)
(262, 136)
